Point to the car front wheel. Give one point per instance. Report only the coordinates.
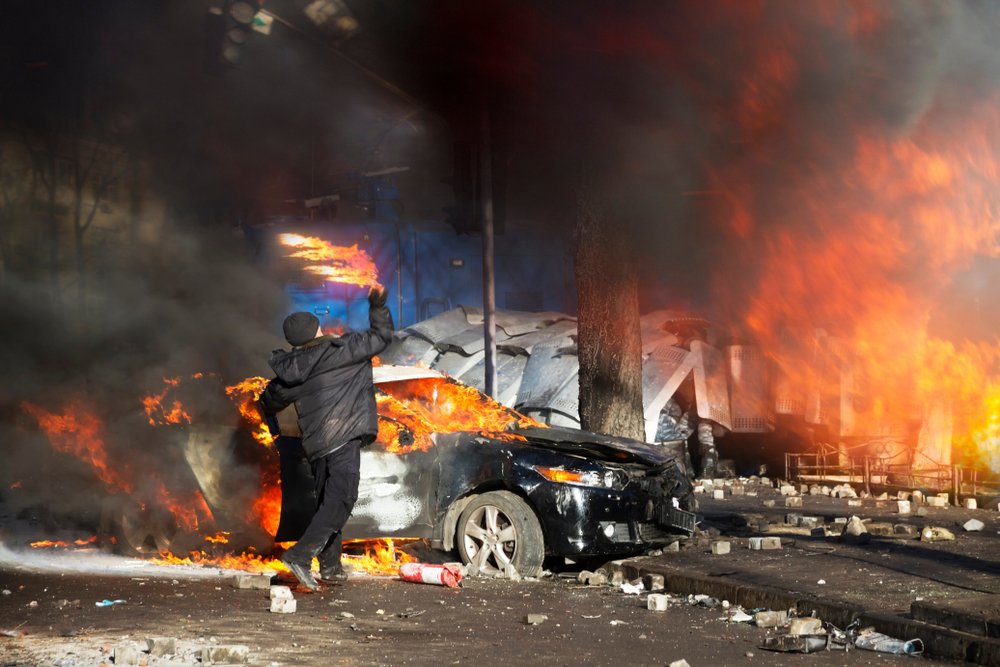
(498, 530)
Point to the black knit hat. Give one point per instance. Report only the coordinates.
(300, 328)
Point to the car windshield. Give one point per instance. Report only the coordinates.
(411, 410)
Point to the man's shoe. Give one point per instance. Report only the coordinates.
(301, 572)
(339, 572)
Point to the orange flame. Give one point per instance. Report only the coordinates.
(158, 414)
(246, 393)
(78, 432)
(48, 544)
(411, 410)
(348, 265)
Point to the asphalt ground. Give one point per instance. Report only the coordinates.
(947, 593)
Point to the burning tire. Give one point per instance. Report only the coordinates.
(498, 529)
(136, 531)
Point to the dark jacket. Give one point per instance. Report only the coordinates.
(330, 381)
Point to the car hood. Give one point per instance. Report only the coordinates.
(605, 447)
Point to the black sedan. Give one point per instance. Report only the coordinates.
(503, 494)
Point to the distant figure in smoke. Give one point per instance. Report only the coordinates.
(678, 419)
(329, 379)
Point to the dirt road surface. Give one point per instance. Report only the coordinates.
(376, 621)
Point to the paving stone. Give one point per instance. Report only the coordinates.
(737, 490)
(616, 578)
(252, 581)
(792, 519)
(769, 503)
(921, 511)
(535, 619)
(654, 582)
(793, 501)
(936, 534)
(806, 626)
(127, 653)
(917, 497)
(906, 529)
(973, 525)
(936, 501)
(680, 663)
(854, 527)
(160, 646)
(673, 547)
(879, 529)
(770, 543)
(719, 494)
(787, 490)
(284, 605)
(721, 548)
(230, 654)
(281, 593)
(903, 506)
(770, 619)
(971, 504)
(854, 502)
(657, 602)
(810, 521)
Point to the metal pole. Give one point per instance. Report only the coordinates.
(489, 278)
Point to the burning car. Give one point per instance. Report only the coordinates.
(462, 471)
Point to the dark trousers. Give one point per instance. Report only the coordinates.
(337, 476)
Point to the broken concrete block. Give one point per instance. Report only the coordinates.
(787, 490)
(903, 506)
(160, 646)
(936, 534)
(657, 602)
(973, 525)
(232, 654)
(596, 579)
(879, 529)
(770, 543)
(840, 520)
(698, 488)
(737, 490)
(936, 501)
(584, 575)
(283, 605)
(917, 497)
(854, 503)
(281, 593)
(252, 581)
(814, 490)
(921, 511)
(905, 529)
(809, 521)
(806, 626)
(793, 501)
(882, 496)
(792, 519)
(971, 504)
(770, 619)
(680, 663)
(535, 619)
(126, 653)
(766, 481)
(721, 548)
(673, 547)
(653, 582)
(719, 494)
(768, 503)
(617, 578)
(854, 527)
(803, 489)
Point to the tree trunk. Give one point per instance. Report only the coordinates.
(609, 342)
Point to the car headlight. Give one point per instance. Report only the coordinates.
(601, 479)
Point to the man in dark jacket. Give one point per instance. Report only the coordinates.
(329, 379)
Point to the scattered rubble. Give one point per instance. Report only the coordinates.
(936, 534)
(225, 654)
(535, 619)
(721, 548)
(251, 581)
(973, 525)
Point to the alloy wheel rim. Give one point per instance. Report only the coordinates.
(490, 539)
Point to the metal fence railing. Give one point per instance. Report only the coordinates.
(834, 464)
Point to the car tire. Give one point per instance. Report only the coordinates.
(497, 530)
(137, 532)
